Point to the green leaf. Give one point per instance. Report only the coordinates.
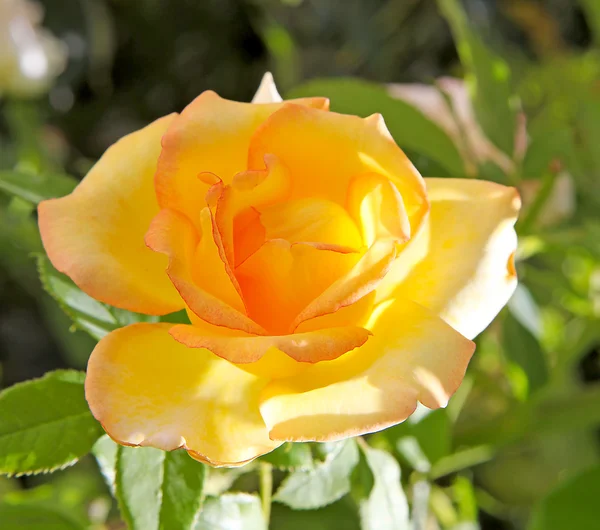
(462, 459)
(19, 237)
(105, 451)
(386, 508)
(94, 317)
(464, 493)
(589, 129)
(410, 449)
(547, 144)
(231, 511)
(158, 490)
(409, 127)
(524, 350)
(340, 515)
(423, 439)
(220, 479)
(525, 309)
(34, 187)
(178, 317)
(34, 517)
(362, 478)
(432, 430)
(326, 483)
(573, 504)
(290, 456)
(489, 76)
(45, 424)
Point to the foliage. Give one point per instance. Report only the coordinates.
(46, 424)
(158, 490)
(518, 445)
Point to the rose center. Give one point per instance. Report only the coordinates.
(288, 254)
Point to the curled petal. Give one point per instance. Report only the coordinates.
(356, 314)
(412, 356)
(311, 220)
(211, 135)
(95, 235)
(361, 280)
(249, 189)
(467, 273)
(146, 389)
(310, 347)
(324, 150)
(280, 279)
(207, 288)
(378, 208)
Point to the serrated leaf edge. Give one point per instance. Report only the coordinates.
(60, 467)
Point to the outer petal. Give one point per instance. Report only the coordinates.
(208, 291)
(239, 347)
(95, 235)
(211, 135)
(468, 273)
(147, 389)
(324, 150)
(412, 355)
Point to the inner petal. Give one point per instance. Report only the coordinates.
(250, 190)
(378, 208)
(280, 279)
(325, 150)
(311, 220)
(248, 235)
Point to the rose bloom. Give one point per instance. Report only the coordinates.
(330, 288)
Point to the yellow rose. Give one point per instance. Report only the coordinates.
(330, 287)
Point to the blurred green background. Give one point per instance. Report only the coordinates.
(518, 447)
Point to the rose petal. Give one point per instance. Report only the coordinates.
(280, 279)
(197, 271)
(311, 347)
(412, 356)
(267, 91)
(311, 220)
(95, 235)
(356, 314)
(377, 206)
(211, 135)
(467, 274)
(324, 150)
(248, 235)
(357, 283)
(249, 189)
(147, 389)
